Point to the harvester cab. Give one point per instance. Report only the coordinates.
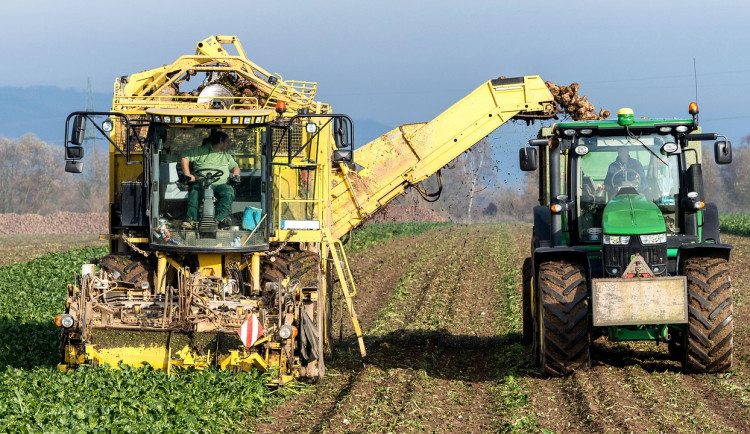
(626, 244)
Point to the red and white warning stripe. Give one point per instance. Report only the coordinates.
(250, 331)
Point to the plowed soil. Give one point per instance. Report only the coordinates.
(441, 318)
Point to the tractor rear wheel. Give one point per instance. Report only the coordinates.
(709, 336)
(564, 318)
(527, 275)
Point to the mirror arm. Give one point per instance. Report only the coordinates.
(87, 115)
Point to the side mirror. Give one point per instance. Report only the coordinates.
(723, 152)
(527, 159)
(79, 130)
(341, 133)
(74, 152)
(343, 156)
(74, 166)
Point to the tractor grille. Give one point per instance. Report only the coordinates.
(619, 256)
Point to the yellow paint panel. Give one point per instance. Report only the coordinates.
(156, 356)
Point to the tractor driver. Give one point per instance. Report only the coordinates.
(212, 155)
(625, 168)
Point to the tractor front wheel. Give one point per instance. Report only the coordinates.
(527, 275)
(709, 336)
(563, 318)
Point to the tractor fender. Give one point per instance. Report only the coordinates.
(569, 254)
(710, 226)
(705, 249)
(542, 235)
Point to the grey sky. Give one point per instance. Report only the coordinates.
(405, 61)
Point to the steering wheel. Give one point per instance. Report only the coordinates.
(626, 178)
(209, 175)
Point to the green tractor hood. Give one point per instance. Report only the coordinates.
(632, 214)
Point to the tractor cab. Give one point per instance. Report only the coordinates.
(628, 182)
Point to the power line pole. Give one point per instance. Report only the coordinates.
(89, 137)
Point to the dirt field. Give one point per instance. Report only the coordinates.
(440, 312)
(25, 247)
(55, 223)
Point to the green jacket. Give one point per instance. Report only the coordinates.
(204, 157)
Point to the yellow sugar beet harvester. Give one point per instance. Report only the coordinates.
(254, 290)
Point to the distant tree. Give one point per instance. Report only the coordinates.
(33, 179)
(490, 210)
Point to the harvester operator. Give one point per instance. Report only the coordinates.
(211, 156)
(622, 169)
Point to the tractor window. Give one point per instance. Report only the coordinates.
(614, 163)
(184, 213)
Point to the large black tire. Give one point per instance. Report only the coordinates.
(330, 282)
(527, 274)
(708, 346)
(564, 318)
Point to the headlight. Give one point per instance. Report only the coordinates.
(286, 331)
(65, 320)
(617, 239)
(670, 148)
(654, 239)
(582, 150)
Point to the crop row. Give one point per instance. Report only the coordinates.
(736, 224)
(376, 233)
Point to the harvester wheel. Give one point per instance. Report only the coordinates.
(564, 318)
(709, 337)
(330, 282)
(527, 275)
(128, 269)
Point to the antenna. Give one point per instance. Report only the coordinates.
(89, 137)
(695, 77)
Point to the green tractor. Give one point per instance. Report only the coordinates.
(625, 245)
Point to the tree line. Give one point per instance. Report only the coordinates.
(33, 179)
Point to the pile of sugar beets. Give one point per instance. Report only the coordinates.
(578, 107)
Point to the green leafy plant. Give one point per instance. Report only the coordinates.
(736, 224)
(37, 397)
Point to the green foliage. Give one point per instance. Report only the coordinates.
(128, 399)
(377, 233)
(37, 397)
(31, 294)
(736, 224)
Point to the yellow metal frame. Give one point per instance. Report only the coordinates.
(411, 153)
